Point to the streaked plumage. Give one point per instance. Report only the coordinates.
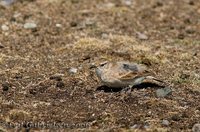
(123, 74)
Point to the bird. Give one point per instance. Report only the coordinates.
(123, 74)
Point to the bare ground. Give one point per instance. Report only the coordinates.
(34, 63)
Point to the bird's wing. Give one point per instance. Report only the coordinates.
(134, 67)
(128, 76)
(133, 74)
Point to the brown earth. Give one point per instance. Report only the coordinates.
(34, 63)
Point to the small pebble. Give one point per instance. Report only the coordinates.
(4, 27)
(146, 126)
(73, 70)
(6, 2)
(104, 35)
(134, 126)
(165, 122)
(30, 25)
(127, 2)
(163, 92)
(142, 36)
(196, 127)
(58, 25)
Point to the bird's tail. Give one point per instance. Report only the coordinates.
(150, 79)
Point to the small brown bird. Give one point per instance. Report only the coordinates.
(124, 74)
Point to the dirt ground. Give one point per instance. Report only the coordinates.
(36, 85)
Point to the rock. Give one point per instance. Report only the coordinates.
(163, 92)
(6, 2)
(30, 25)
(135, 126)
(58, 25)
(165, 122)
(142, 36)
(146, 126)
(196, 127)
(127, 2)
(73, 70)
(104, 36)
(4, 27)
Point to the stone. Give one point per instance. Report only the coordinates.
(165, 123)
(4, 27)
(30, 25)
(104, 36)
(58, 25)
(146, 126)
(73, 70)
(135, 126)
(163, 92)
(128, 2)
(196, 127)
(6, 2)
(142, 36)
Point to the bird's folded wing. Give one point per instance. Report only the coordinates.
(128, 76)
(132, 75)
